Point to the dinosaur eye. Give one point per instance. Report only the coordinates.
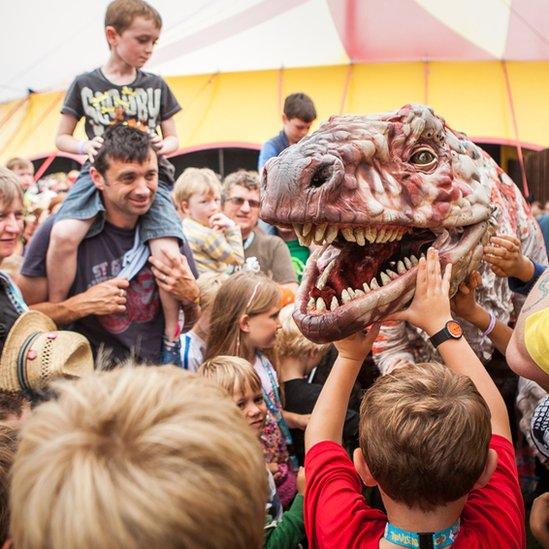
(423, 157)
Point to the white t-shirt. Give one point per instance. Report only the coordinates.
(192, 351)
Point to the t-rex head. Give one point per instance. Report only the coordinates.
(374, 192)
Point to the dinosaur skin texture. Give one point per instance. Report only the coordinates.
(373, 193)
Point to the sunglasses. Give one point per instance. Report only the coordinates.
(239, 201)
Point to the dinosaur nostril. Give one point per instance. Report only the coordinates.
(322, 174)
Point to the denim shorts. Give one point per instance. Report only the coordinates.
(84, 202)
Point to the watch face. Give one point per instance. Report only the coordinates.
(454, 328)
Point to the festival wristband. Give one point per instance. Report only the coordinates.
(491, 325)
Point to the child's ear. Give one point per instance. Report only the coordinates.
(111, 34)
(244, 323)
(362, 468)
(489, 468)
(184, 207)
(97, 178)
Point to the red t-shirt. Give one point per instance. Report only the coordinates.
(337, 516)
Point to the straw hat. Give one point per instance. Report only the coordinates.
(35, 353)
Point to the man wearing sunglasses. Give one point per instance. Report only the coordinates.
(240, 199)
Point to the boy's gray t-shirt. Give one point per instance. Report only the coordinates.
(145, 102)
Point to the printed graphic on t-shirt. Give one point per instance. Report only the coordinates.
(142, 300)
(135, 107)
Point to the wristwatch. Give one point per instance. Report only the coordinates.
(451, 330)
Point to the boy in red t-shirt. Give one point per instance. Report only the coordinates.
(435, 440)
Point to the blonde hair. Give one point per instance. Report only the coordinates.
(195, 181)
(10, 189)
(120, 14)
(424, 432)
(290, 342)
(146, 457)
(230, 373)
(8, 447)
(243, 293)
(18, 163)
(208, 285)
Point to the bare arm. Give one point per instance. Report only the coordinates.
(102, 299)
(66, 142)
(429, 311)
(169, 142)
(465, 306)
(328, 417)
(517, 355)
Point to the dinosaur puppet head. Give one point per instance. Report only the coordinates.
(374, 192)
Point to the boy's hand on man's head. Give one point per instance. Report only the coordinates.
(357, 346)
(504, 255)
(430, 307)
(91, 147)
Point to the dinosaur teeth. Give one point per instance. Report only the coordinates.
(311, 304)
(392, 274)
(371, 234)
(345, 297)
(334, 304)
(348, 234)
(414, 260)
(407, 263)
(323, 278)
(401, 269)
(319, 232)
(359, 293)
(320, 305)
(374, 284)
(307, 228)
(331, 234)
(384, 279)
(359, 235)
(366, 287)
(351, 292)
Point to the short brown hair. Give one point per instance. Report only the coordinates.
(12, 404)
(299, 105)
(148, 456)
(424, 432)
(8, 447)
(247, 179)
(230, 372)
(120, 14)
(18, 163)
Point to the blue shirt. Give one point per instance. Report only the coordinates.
(271, 148)
(520, 287)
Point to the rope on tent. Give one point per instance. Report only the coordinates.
(426, 80)
(12, 111)
(45, 165)
(280, 88)
(515, 129)
(57, 99)
(346, 87)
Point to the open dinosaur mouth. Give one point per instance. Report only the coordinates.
(362, 274)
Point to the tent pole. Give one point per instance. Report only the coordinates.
(45, 165)
(346, 87)
(515, 129)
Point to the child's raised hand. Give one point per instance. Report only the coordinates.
(220, 222)
(92, 146)
(430, 307)
(463, 304)
(357, 346)
(504, 255)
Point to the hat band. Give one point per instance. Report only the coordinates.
(21, 370)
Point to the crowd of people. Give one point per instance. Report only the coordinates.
(155, 390)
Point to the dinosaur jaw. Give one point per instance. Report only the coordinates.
(351, 282)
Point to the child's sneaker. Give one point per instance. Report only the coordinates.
(171, 351)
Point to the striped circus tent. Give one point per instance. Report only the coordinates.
(484, 66)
